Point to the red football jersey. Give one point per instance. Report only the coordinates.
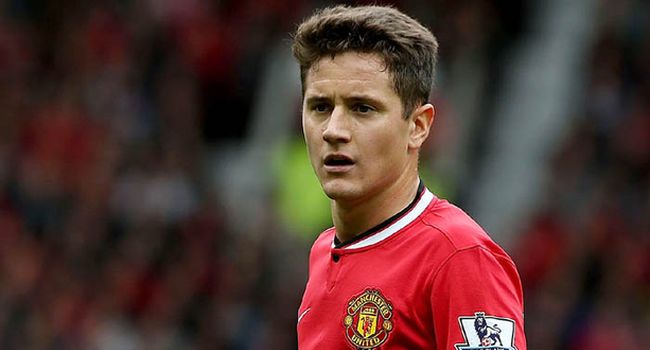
(427, 278)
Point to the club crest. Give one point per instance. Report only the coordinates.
(483, 332)
(368, 319)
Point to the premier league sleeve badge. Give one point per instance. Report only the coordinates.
(482, 332)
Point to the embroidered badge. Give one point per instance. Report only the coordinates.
(368, 320)
(483, 332)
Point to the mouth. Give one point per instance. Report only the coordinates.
(338, 163)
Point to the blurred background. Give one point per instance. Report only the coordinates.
(155, 192)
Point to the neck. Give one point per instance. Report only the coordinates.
(354, 218)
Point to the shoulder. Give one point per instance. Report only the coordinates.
(320, 251)
(449, 234)
(456, 226)
(469, 246)
(324, 241)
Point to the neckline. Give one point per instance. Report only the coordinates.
(391, 225)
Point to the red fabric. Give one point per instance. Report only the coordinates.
(440, 267)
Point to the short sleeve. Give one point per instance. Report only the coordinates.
(477, 300)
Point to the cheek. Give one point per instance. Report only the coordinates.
(387, 149)
(308, 132)
(312, 137)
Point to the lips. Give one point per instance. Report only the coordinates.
(337, 162)
(338, 159)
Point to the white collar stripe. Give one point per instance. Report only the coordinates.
(419, 208)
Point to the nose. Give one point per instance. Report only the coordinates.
(337, 128)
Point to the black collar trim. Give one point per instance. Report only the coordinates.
(338, 244)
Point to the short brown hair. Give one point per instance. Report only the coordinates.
(409, 50)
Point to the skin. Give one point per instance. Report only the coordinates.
(351, 111)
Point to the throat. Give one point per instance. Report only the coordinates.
(356, 222)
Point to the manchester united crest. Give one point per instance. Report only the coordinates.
(368, 320)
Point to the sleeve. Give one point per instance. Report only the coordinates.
(477, 300)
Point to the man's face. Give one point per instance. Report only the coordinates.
(353, 123)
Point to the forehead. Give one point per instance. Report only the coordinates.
(349, 70)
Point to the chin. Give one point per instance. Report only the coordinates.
(341, 190)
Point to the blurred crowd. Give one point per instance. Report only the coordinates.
(112, 236)
(585, 257)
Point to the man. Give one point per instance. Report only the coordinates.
(400, 269)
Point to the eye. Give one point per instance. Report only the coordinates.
(363, 108)
(320, 107)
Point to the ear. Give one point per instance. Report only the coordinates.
(420, 124)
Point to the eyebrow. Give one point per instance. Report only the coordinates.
(366, 99)
(316, 99)
(348, 99)
(362, 98)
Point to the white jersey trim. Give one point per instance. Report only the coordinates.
(419, 208)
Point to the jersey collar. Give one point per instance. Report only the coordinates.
(390, 226)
